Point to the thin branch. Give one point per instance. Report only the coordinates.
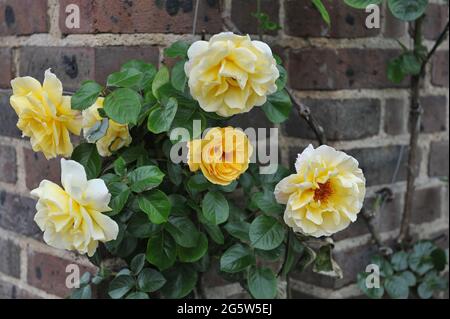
(415, 117)
(194, 24)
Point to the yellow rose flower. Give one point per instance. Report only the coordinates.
(117, 135)
(71, 217)
(325, 194)
(45, 115)
(222, 156)
(231, 74)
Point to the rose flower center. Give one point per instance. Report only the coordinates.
(323, 192)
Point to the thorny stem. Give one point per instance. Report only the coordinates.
(414, 119)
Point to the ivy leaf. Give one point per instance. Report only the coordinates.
(262, 283)
(215, 208)
(150, 280)
(86, 96)
(145, 178)
(156, 205)
(266, 233)
(409, 278)
(407, 10)
(178, 49)
(278, 107)
(161, 118)
(87, 155)
(123, 106)
(120, 286)
(399, 261)
(179, 78)
(161, 251)
(420, 260)
(236, 259)
(396, 287)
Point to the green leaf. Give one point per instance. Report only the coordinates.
(150, 280)
(399, 261)
(278, 107)
(183, 231)
(430, 284)
(396, 287)
(325, 264)
(120, 195)
(266, 233)
(156, 205)
(272, 255)
(137, 295)
(307, 258)
(178, 203)
(179, 78)
(215, 208)
(190, 255)
(175, 173)
(145, 178)
(407, 10)
(215, 233)
(181, 280)
(197, 183)
(139, 226)
(282, 80)
(361, 4)
(137, 263)
(161, 118)
(161, 78)
(295, 250)
(409, 278)
(410, 64)
(373, 293)
(125, 79)
(236, 259)
(120, 166)
(439, 258)
(120, 286)
(385, 267)
(178, 49)
(395, 71)
(86, 96)
(262, 283)
(161, 251)
(87, 155)
(266, 202)
(82, 293)
(123, 106)
(420, 260)
(148, 71)
(239, 230)
(323, 11)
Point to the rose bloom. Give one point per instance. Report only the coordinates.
(45, 115)
(222, 155)
(71, 217)
(117, 135)
(325, 194)
(231, 74)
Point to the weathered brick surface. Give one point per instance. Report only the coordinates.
(395, 121)
(23, 17)
(326, 69)
(439, 75)
(17, 213)
(434, 118)
(8, 117)
(144, 16)
(48, 273)
(110, 59)
(5, 66)
(304, 20)
(435, 20)
(438, 161)
(38, 167)
(86, 16)
(344, 119)
(10, 291)
(10, 261)
(393, 27)
(242, 11)
(427, 205)
(8, 166)
(71, 65)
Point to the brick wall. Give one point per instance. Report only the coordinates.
(338, 71)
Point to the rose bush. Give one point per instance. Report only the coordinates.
(169, 221)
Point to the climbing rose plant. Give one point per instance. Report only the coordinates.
(122, 197)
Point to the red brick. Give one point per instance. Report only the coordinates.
(6, 67)
(48, 273)
(11, 291)
(395, 117)
(145, 16)
(8, 166)
(438, 162)
(435, 20)
(8, 117)
(393, 27)
(10, 258)
(326, 69)
(86, 16)
(439, 75)
(110, 59)
(23, 17)
(304, 20)
(37, 168)
(242, 10)
(434, 118)
(71, 65)
(427, 205)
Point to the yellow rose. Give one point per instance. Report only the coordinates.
(117, 135)
(222, 156)
(325, 194)
(231, 74)
(45, 115)
(71, 218)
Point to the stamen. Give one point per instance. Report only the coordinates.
(324, 191)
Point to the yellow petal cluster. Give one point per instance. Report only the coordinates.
(117, 135)
(325, 194)
(45, 115)
(231, 74)
(71, 217)
(222, 155)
